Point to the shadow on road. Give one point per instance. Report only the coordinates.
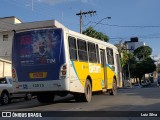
(147, 98)
(22, 104)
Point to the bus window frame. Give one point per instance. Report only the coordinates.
(71, 48)
(110, 56)
(97, 53)
(81, 51)
(91, 52)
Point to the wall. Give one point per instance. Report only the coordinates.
(5, 68)
(6, 46)
(6, 26)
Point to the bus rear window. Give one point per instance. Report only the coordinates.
(38, 46)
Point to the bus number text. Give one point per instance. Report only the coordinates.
(38, 85)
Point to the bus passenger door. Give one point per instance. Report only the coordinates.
(119, 81)
(103, 66)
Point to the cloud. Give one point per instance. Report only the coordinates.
(61, 1)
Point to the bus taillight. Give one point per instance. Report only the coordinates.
(63, 71)
(64, 67)
(13, 70)
(13, 73)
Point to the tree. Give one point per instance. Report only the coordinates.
(143, 52)
(137, 69)
(142, 67)
(146, 65)
(93, 33)
(127, 57)
(126, 61)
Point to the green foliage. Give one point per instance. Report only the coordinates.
(137, 69)
(127, 62)
(143, 52)
(149, 65)
(127, 57)
(98, 35)
(142, 67)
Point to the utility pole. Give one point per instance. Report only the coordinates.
(84, 13)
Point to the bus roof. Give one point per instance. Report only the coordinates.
(38, 25)
(54, 24)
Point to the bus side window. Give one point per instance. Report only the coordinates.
(82, 50)
(72, 48)
(110, 56)
(92, 52)
(102, 58)
(97, 53)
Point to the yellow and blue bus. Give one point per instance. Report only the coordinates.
(56, 61)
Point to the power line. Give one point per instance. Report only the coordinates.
(43, 9)
(129, 26)
(101, 21)
(151, 37)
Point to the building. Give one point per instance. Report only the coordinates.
(133, 44)
(6, 35)
(9, 25)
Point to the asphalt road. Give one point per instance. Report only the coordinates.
(127, 100)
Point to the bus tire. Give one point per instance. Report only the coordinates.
(5, 98)
(45, 97)
(113, 91)
(87, 95)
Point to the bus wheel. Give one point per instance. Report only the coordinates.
(45, 97)
(84, 97)
(87, 92)
(113, 91)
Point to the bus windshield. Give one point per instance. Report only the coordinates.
(38, 54)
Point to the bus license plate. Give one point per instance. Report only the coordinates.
(38, 75)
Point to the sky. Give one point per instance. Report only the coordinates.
(129, 18)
